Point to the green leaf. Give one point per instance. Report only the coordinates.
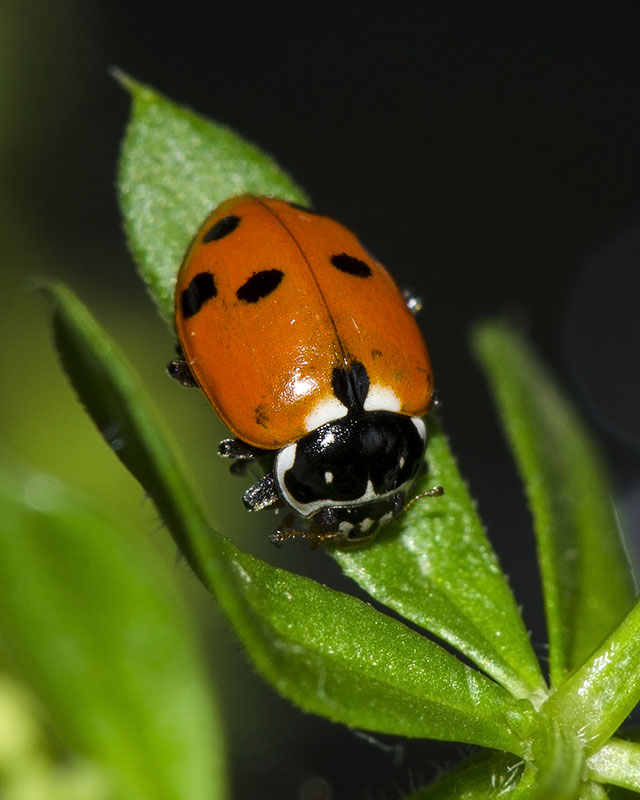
(592, 791)
(554, 768)
(175, 168)
(437, 569)
(170, 153)
(127, 419)
(597, 697)
(337, 656)
(93, 619)
(326, 651)
(618, 762)
(486, 777)
(585, 571)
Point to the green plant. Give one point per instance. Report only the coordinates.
(326, 651)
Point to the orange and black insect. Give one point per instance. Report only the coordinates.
(308, 351)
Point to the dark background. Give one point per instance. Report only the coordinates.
(487, 153)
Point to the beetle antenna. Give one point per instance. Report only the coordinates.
(437, 491)
(315, 539)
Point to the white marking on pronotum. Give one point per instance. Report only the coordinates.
(326, 410)
(345, 527)
(328, 477)
(283, 462)
(420, 427)
(285, 459)
(381, 398)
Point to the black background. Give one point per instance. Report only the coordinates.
(488, 153)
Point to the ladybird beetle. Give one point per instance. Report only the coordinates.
(310, 354)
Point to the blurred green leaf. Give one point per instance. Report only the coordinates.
(30, 767)
(598, 696)
(440, 572)
(175, 168)
(326, 651)
(592, 791)
(93, 619)
(585, 570)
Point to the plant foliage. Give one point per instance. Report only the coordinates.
(326, 651)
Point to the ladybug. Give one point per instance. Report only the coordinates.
(310, 354)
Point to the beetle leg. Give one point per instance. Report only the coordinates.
(180, 371)
(236, 448)
(315, 538)
(262, 494)
(242, 453)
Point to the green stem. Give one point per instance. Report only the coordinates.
(618, 762)
(597, 697)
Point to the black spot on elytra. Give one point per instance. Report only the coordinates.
(351, 265)
(261, 415)
(351, 386)
(221, 229)
(259, 285)
(201, 288)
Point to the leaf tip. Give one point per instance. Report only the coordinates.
(135, 88)
(61, 299)
(122, 77)
(47, 287)
(493, 332)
